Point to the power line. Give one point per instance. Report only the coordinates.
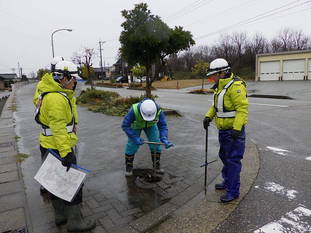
(184, 9)
(257, 17)
(221, 12)
(188, 9)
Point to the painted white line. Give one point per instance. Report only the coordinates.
(271, 105)
(293, 221)
(278, 150)
(279, 189)
(308, 158)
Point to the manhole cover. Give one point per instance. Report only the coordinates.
(146, 178)
(6, 144)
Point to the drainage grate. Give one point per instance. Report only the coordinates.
(20, 230)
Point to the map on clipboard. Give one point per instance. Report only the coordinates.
(53, 176)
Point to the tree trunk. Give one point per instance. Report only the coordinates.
(202, 84)
(89, 76)
(148, 82)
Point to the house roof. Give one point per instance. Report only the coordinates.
(9, 76)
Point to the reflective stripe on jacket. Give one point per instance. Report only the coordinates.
(56, 113)
(130, 118)
(139, 122)
(234, 112)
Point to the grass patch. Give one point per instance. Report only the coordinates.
(108, 84)
(178, 84)
(107, 102)
(20, 157)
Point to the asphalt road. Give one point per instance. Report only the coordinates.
(280, 199)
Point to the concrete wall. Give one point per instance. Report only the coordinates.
(285, 56)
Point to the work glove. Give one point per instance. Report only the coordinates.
(138, 141)
(236, 133)
(167, 143)
(69, 159)
(206, 122)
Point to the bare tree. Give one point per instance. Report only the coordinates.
(77, 59)
(84, 61)
(300, 40)
(289, 40)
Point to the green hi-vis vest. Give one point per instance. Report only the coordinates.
(139, 122)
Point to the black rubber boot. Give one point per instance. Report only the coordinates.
(129, 159)
(155, 157)
(76, 222)
(59, 211)
(220, 186)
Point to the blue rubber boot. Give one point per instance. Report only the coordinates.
(228, 197)
(220, 186)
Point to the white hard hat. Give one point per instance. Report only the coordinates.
(148, 110)
(65, 68)
(54, 61)
(218, 65)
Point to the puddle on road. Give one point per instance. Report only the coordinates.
(130, 192)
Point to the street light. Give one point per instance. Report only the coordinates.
(63, 29)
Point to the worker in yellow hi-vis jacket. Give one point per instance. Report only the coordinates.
(57, 114)
(230, 111)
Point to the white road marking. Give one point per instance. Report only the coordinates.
(308, 158)
(279, 189)
(293, 221)
(271, 105)
(278, 150)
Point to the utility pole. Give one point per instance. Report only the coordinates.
(19, 70)
(101, 58)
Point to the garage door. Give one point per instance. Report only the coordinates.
(309, 70)
(269, 70)
(293, 69)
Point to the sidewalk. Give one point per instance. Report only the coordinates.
(13, 207)
(119, 204)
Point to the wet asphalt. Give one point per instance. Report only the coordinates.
(275, 123)
(283, 183)
(109, 197)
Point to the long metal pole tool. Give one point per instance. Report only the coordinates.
(206, 146)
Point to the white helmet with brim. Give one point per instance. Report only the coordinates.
(218, 65)
(148, 110)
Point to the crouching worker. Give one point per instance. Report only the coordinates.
(57, 114)
(147, 116)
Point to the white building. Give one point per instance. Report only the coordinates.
(292, 65)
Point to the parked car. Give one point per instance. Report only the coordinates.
(141, 79)
(122, 79)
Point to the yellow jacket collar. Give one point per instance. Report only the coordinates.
(223, 81)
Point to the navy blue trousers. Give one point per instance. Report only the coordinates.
(231, 153)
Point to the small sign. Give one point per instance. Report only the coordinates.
(53, 176)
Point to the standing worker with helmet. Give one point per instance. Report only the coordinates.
(230, 110)
(57, 114)
(148, 116)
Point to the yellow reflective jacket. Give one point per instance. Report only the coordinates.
(235, 99)
(56, 113)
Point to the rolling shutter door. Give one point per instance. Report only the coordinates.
(269, 70)
(293, 69)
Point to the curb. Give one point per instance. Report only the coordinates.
(14, 215)
(271, 96)
(191, 211)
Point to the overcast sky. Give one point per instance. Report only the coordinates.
(26, 25)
